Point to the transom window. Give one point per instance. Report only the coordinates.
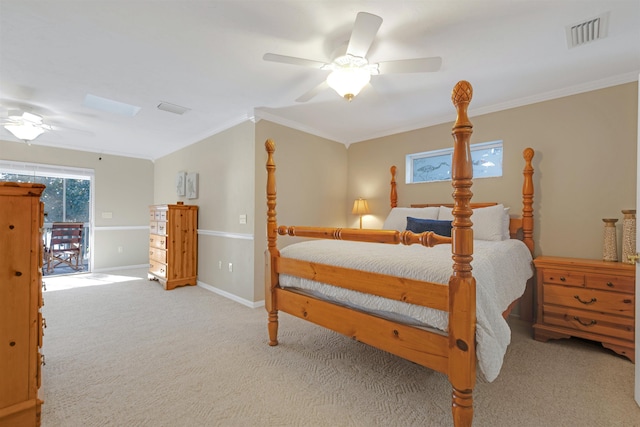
(431, 166)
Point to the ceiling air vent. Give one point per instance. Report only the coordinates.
(173, 108)
(587, 31)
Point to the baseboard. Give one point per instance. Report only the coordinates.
(126, 267)
(228, 295)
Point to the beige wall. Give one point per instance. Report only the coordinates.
(585, 166)
(123, 186)
(224, 163)
(311, 178)
(232, 181)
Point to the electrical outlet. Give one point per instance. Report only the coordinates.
(219, 265)
(120, 249)
(230, 267)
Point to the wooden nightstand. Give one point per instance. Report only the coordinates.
(589, 299)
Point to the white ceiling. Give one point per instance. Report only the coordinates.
(207, 56)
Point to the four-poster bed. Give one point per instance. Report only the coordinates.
(427, 315)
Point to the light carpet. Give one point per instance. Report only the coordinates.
(125, 352)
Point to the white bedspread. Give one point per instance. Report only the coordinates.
(501, 270)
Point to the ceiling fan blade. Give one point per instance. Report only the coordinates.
(273, 57)
(418, 65)
(313, 92)
(364, 32)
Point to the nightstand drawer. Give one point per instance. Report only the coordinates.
(590, 299)
(560, 277)
(611, 283)
(590, 321)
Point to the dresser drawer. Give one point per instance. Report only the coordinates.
(590, 299)
(590, 321)
(563, 277)
(153, 227)
(156, 241)
(162, 228)
(157, 268)
(611, 283)
(159, 255)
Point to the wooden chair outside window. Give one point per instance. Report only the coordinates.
(65, 246)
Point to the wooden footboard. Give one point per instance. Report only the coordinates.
(453, 353)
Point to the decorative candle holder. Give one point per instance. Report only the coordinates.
(628, 235)
(610, 244)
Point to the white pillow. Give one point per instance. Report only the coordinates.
(490, 223)
(397, 218)
(506, 235)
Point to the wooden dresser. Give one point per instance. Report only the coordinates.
(173, 244)
(21, 221)
(591, 299)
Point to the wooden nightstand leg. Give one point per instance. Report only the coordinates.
(627, 352)
(544, 335)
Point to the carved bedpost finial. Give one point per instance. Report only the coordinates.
(461, 97)
(270, 146)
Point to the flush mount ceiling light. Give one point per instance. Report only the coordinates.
(25, 126)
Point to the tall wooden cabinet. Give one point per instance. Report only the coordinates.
(21, 221)
(173, 244)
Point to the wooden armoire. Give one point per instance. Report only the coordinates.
(21, 322)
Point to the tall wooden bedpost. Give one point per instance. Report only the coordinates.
(462, 284)
(271, 277)
(394, 192)
(527, 200)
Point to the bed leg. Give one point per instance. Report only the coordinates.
(462, 407)
(273, 328)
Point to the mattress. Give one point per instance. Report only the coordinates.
(501, 270)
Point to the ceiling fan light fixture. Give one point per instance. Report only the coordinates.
(348, 81)
(25, 131)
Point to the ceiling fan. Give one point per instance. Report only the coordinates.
(24, 125)
(27, 126)
(352, 71)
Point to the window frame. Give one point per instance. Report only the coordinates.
(410, 159)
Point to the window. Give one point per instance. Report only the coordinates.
(435, 165)
(68, 193)
(68, 196)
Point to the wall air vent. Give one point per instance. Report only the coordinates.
(587, 31)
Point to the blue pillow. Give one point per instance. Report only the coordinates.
(418, 225)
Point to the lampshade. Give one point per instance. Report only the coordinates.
(25, 131)
(360, 207)
(348, 81)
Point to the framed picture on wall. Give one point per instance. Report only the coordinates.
(181, 181)
(192, 185)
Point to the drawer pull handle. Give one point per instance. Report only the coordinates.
(577, 319)
(610, 284)
(585, 302)
(563, 279)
